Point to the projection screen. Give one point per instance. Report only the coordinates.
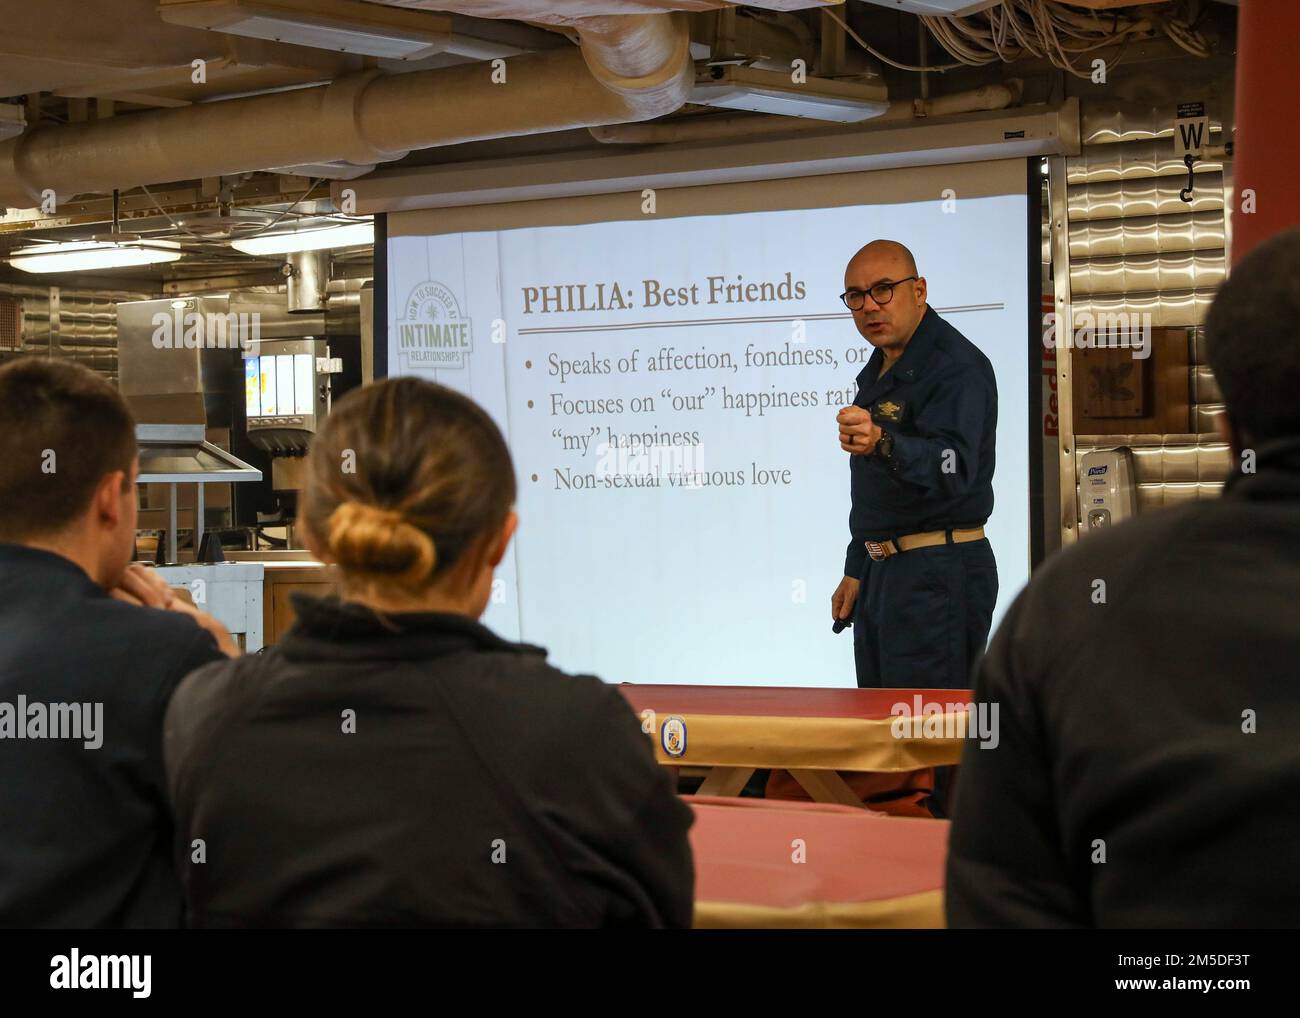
(666, 369)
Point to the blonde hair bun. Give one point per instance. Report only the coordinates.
(367, 539)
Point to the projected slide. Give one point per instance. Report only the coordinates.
(668, 388)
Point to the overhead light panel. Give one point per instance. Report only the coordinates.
(340, 25)
(337, 170)
(89, 255)
(289, 242)
(747, 88)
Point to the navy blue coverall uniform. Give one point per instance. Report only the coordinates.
(922, 616)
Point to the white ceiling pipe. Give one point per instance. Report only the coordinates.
(640, 67)
(705, 127)
(607, 82)
(986, 97)
(644, 57)
(203, 140)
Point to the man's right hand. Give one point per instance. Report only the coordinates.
(858, 433)
(844, 598)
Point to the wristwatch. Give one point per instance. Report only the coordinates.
(885, 445)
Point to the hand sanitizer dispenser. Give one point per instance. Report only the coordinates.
(1106, 488)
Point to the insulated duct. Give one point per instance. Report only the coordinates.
(629, 68)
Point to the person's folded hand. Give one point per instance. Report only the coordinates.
(142, 585)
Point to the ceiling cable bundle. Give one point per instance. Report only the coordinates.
(1053, 31)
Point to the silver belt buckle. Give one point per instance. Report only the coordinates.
(876, 550)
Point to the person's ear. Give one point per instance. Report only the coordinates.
(921, 292)
(106, 503)
(502, 541)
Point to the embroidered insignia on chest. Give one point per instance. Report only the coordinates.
(888, 410)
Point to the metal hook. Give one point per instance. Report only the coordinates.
(1186, 193)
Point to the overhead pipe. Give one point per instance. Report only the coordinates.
(709, 127)
(986, 97)
(628, 68)
(645, 58)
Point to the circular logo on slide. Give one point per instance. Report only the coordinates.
(433, 333)
(673, 736)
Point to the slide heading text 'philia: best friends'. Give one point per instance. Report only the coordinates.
(652, 293)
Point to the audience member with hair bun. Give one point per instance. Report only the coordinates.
(393, 762)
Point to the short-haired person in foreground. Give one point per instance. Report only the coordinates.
(87, 663)
(392, 761)
(1147, 772)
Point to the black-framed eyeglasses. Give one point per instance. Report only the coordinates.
(881, 293)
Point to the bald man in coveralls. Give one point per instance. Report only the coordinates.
(920, 581)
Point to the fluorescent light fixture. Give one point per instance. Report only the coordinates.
(747, 88)
(87, 255)
(374, 30)
(291, 242)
